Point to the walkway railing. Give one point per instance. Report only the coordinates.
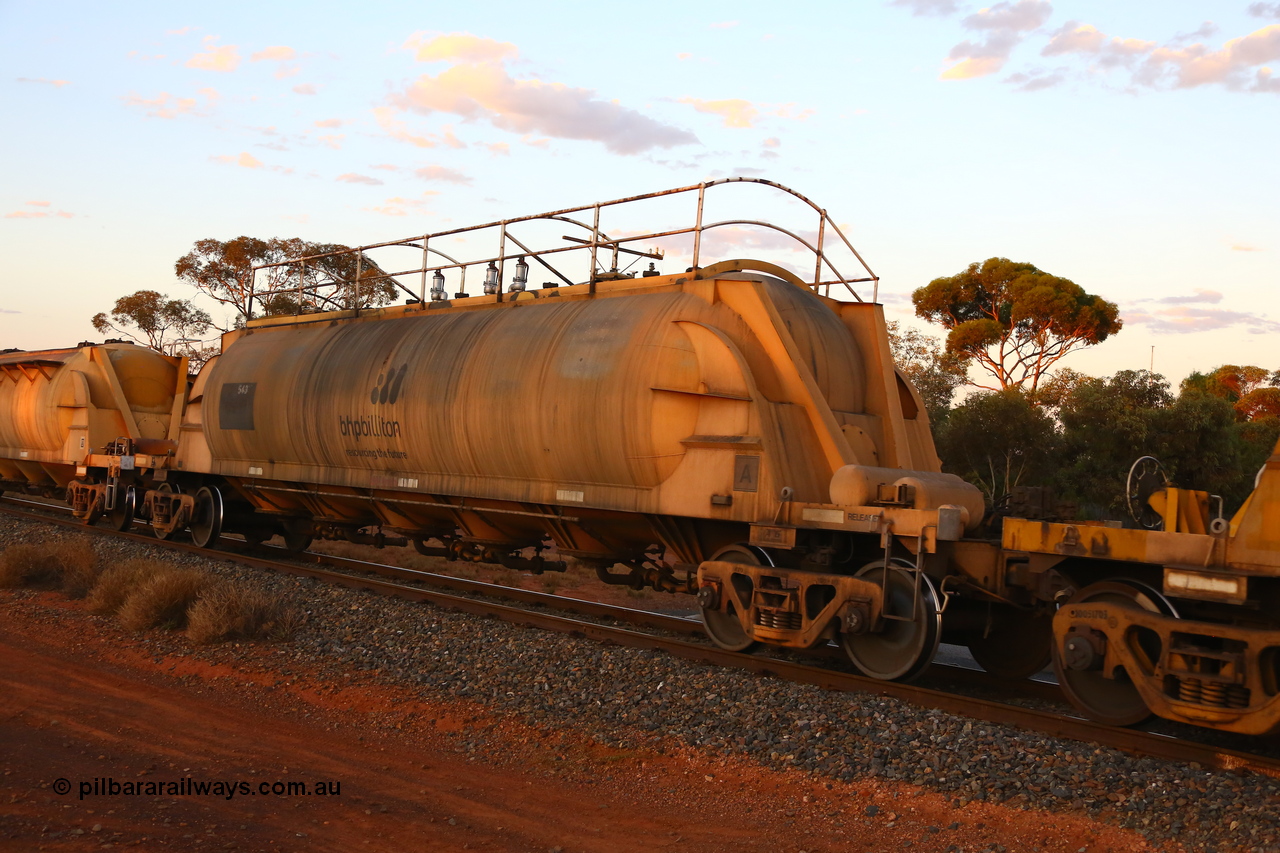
(355, 288)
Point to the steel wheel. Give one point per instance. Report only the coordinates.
(298, 534)
(1019, 644)
(902, 648)
(206, 518)
(121, 517)
(1114, 701)
(723, 626)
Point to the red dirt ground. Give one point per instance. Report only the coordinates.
(82, 700)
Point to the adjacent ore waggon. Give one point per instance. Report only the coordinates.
(730, 431)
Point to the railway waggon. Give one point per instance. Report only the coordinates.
(730, 431)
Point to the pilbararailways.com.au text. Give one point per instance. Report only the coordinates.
(105, 786)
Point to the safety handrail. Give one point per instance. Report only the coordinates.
(598, 241)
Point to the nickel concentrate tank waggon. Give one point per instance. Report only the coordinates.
(730, 431)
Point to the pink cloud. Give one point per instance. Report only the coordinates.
(216, 57)
(401, 206)
(1005, 26)
(1189, 67)
(353, 178)
(304, 89)
(330, 123)
(39, 214)
(57, 84)
(1184, 319)
(483, 91)
(460, 47)
(735, 111)
(275, 53)
(245, 160)
(440, 173)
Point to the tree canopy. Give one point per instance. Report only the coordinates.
(151, 318)
(998, 440)
(1080, 434)
(223, 270)
(1013, 320)
(934, 373)
(1251, 390)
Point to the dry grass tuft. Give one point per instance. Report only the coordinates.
(78, 567)
(27, 565)
(162, 600)
(117, 583)
(237, 611)
(69, 564)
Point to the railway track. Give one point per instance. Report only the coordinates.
(669, 635)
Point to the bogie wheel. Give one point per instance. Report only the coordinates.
(904, 646)
(206, 518)
(1018, 644)
(160, 533)
(121, 517)
(298, 534)
(1114, 701)
(722, 626)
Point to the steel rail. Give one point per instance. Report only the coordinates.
(1135, 741)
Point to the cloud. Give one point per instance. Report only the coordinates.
(928, 8)
(169, 106)
(39, 214)
(1189, 67)
(1005, 26)
(398, 130)
(216, 57)
(440, 173)
(275, 53)
(330, 123)
(9, 311)
(401, 206)
(730, 238)
(1075, 38)
(735, 111)
(1036, 81)
(353, 178)
(304, 89)
(497, 149)
(332, 140)
(181, 31)
(386, 167)
(57, 84)
(460, 47)
(1235, 247)
(1182, 319)
(1239, 65)
(1264, 10)
(724, 25)
(772, 142)
(480, 89)
(1208, 28)
(1198, 294)
(244, 160)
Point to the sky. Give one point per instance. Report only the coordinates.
(1120, 145)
